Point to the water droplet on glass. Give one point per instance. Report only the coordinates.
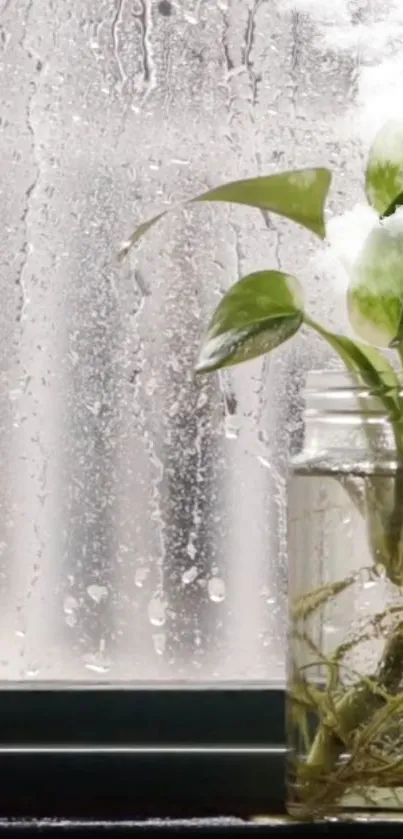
(159, 641)
(94, 409)
(15, 394)
(31, 671)
(157, 610)
(369, 584)
(231, 431)
(97, 663)
(74, 357)
(151, 385)
(191, 550)
(71, 620)
(216, 589)
(97, 593)
(140, 576)
(330, 629)
(189, 575)
(70, 605)
(97, 667)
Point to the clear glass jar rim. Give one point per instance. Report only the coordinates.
(323, 380)
(337, 391)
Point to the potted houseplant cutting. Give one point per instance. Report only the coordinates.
(345, 690)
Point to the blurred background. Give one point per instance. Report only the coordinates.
(142, 513)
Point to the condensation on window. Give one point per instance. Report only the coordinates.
(142, 511)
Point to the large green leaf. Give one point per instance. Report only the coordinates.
(299, 195)
(384, 174)
(375, 294)
(259, 312)
(367, 364)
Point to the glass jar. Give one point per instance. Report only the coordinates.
(345, 675)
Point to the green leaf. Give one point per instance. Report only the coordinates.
(375, 294)
(259, 312)
(397, 202)
(367, 364)
(299, 195)
(384, 174)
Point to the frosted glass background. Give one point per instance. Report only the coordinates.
(142, 513)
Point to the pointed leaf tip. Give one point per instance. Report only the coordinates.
(299, 195)
(138, 233)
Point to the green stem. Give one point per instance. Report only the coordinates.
(393, 534)
(399, 351)
(394, 523)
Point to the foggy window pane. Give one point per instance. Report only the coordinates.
(142, 513)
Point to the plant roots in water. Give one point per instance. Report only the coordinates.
(347, 729)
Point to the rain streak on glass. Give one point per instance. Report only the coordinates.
(142, 512)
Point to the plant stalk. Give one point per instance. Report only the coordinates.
(357, 706)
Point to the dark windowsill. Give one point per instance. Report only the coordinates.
(141, 753)
(179, 761)
(220, 828)
(117, 784)
(142, 716)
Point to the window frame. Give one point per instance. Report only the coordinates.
(122, 752)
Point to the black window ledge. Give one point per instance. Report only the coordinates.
(178, 761)
(113, 753)
(220, 828)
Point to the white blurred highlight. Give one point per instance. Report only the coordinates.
(374, 41)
